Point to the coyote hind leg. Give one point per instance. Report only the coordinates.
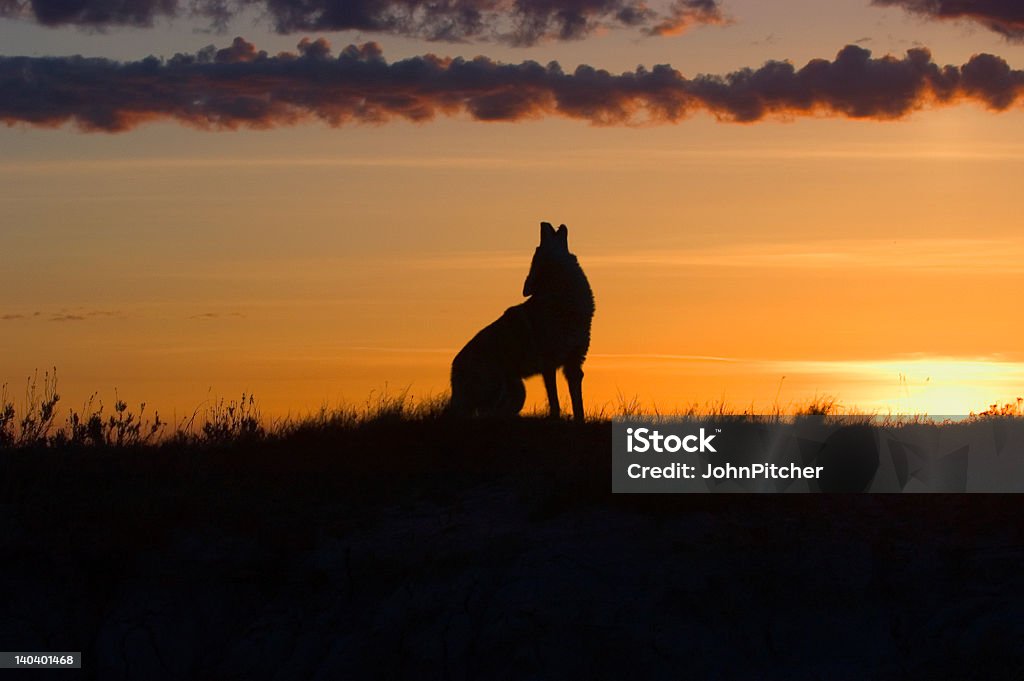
(511, 398)
(486, 394)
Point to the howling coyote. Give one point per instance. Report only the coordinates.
(550, 330)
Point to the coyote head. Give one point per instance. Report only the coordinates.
(552, 252)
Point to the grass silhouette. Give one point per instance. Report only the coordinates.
(223, 422)
(374, 541)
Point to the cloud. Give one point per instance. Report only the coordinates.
(685, 14)
(519, 22)
(82, 316)
(93, 13)
(242, 87)
(217, 315)
(1003, 16)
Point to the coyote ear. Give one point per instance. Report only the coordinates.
(546, 231)
(563, 236)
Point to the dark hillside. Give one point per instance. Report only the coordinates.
(416, 549)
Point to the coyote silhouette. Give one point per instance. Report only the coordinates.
(551, 330)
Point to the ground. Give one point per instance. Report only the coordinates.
(414, 549)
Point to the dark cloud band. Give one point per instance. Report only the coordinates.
(1003, 16)
(522, 22)
(240, 86)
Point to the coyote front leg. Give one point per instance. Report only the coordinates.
(554, 409)
(574, 376)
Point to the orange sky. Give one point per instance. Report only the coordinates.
(877, 262)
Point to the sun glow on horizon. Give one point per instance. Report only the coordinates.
(904, 386)
(662, 383)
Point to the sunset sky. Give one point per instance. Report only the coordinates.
(318, 226)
